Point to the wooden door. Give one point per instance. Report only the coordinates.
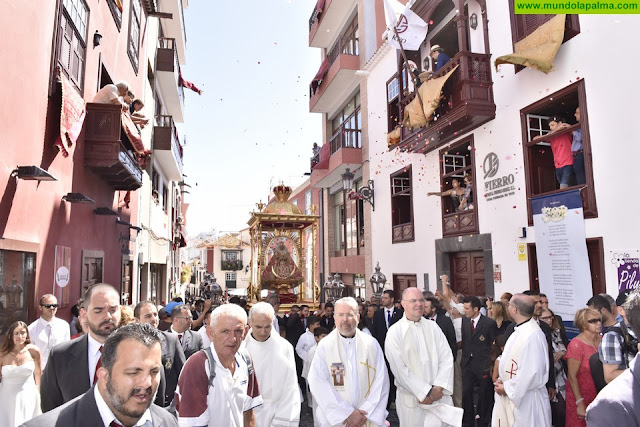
(467, 273)
(92, 262)
(127, 274)
(402, 282)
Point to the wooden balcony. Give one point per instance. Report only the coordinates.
(468, 104)
(104, 152)
(458, 223)
(167, 148)
(402, 233)
(168, 76)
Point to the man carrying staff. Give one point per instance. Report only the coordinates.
(422, 363)
(521, 394)
(348, 377)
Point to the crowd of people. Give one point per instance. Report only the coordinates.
(437, 359)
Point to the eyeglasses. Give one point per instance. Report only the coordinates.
(413, 301)
(49, 305)
(594, 321)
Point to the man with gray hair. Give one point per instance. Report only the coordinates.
(521, 393)
(113, 94)
(275, 366)
(618, 403)
(218, 386)
(127, 381)
(348, 376)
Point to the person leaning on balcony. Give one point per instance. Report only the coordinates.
(456, 193)
(561, 149)
(438, 55)
(113, 94)
(138, 118)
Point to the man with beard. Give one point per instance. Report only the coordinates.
(72, 366)
(173, 358)
(126, 383)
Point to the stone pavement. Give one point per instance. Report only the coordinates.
(306, 418)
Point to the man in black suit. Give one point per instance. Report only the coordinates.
(382, 321)
(433, 311)
(118, 397)
(173, 358)
(296, 326)
(478, 334)
(326, 318)
(181, 321)
(71, 368)
(537, 312)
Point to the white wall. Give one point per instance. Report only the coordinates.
(600, 55)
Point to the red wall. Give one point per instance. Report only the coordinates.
(33, 212)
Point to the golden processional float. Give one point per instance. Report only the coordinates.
(283, 251)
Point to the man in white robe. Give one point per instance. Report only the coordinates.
(521, 397)
(275, 368)
(348, 376)
(422, 363)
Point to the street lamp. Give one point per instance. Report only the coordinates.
(378, 280)
(334, 287)
(365, 193)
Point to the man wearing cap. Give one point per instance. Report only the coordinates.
(438, 55)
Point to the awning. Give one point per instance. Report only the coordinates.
(538, 49)
(183, 241)
(431, 94)
(324, 67)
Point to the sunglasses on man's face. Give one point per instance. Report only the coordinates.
(49, 305)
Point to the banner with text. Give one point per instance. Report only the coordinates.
(561, 247)
(627, 265)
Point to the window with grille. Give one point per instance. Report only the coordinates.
(133, 48)
(72, 40)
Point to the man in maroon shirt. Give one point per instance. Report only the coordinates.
(561, 148)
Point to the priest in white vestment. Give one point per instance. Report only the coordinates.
(521, 397)
(421, 361)
(275, 368)
(348, 376)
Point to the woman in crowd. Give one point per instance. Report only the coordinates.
(498, 313)
(505, 298)
(126, 315)
(19, 377)
(456, 193)
(558, 405)
(582, 390)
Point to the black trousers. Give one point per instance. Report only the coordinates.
(473, 376)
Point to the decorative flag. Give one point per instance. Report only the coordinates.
(409, 27)
(187, 84)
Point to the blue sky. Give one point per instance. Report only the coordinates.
(251, 127)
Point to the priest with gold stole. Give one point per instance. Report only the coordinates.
(275, 368)
(348, 376)
(521, 398)
(422, 363)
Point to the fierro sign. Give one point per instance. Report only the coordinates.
(499, 187)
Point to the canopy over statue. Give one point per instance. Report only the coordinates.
(283, 257)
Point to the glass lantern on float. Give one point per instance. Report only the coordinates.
(334, 288)
(377, 280)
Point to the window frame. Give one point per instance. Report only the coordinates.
(116, 13)
(410, 236)
(587, 192)
(460, 217)
(63, 14)
(134, 55)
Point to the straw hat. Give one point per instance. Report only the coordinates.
(436, 48)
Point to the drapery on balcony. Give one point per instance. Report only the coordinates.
(468, 104)
(104, 152)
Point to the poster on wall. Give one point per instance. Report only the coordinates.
(62, 275)
(561, 247)
(627, 268)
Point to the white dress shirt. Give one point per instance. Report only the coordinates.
(47, 334)
(107, 415)
(94, 354)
